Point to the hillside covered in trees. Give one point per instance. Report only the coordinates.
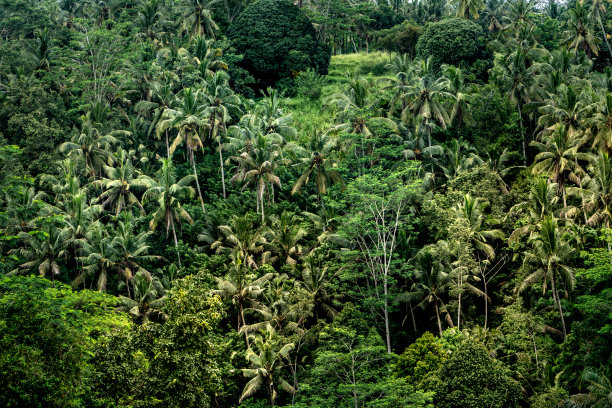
(319, 203)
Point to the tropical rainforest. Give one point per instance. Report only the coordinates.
(309, 203)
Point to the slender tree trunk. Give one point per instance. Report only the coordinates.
(386, 311)
(558, 302)
(486, 298)
(222, 169)
(195, 173)
(246, 335)
(178, 254)
(412, 315)
(167, 144)
(603, 31)
(522, 134)
(438, 317)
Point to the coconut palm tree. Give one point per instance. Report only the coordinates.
(266, 358)
(580, 31)
(284, 237)
(120, 184)
(599, 122)
(516, 77)
(431, 280)
(599, 387)
(91, 146)
(197, 17)
(550, 252)
(98, 257)
(459, 110)
(468, 8)
(132, 247)
(558, 159)
(257, 167)
(220, 100)
(321, 147)
(39, 51)
(540, 204)
(565, 108)
(149, 298)
(188, 118)
(243, 287)
(43, 249)
(170, 194)
(312, 280)
(426, 97)
(244, 238)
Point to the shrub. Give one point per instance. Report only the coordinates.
(277, 40)
(454, 41)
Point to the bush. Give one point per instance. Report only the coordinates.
(310, 84)
(402, 38)
(454, 41)
(277, 41)
(471, 378)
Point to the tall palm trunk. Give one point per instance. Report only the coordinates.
(524, 142)
(558, 304)
(438, 317)
(167, 145)
(178, 254)
(603, 31)
(195, 173)
(222, 169)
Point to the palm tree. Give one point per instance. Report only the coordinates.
(540, 204)
(321, 147)
(188, 119)
(120, 184)
(149, 298)
(468, 8)
(169, 193)
(242, 237)
(203, 56)
(565, 108)
(91, 146)
(600, 9)
(599, 122)
(426, 96)
(132, 247)
(258, 167)
(516, 77)
(39, 52)
(151, 20)
(266, 358)
(285, 235)
(431, 280)
(197, 17)
(518, 14)
(243, 287)
(580, 32)
(549, 252)
(599, 387)
(43, 249)
(161, 97)
(472, 211)
(312, 281)
(459, 107)
(558, 158)
(220, 100)
(99, 257)
(476, 234)
(597, 191)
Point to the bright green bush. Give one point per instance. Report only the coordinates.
(454, 41)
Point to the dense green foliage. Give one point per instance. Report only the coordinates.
(200, 208)
(277, 40)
